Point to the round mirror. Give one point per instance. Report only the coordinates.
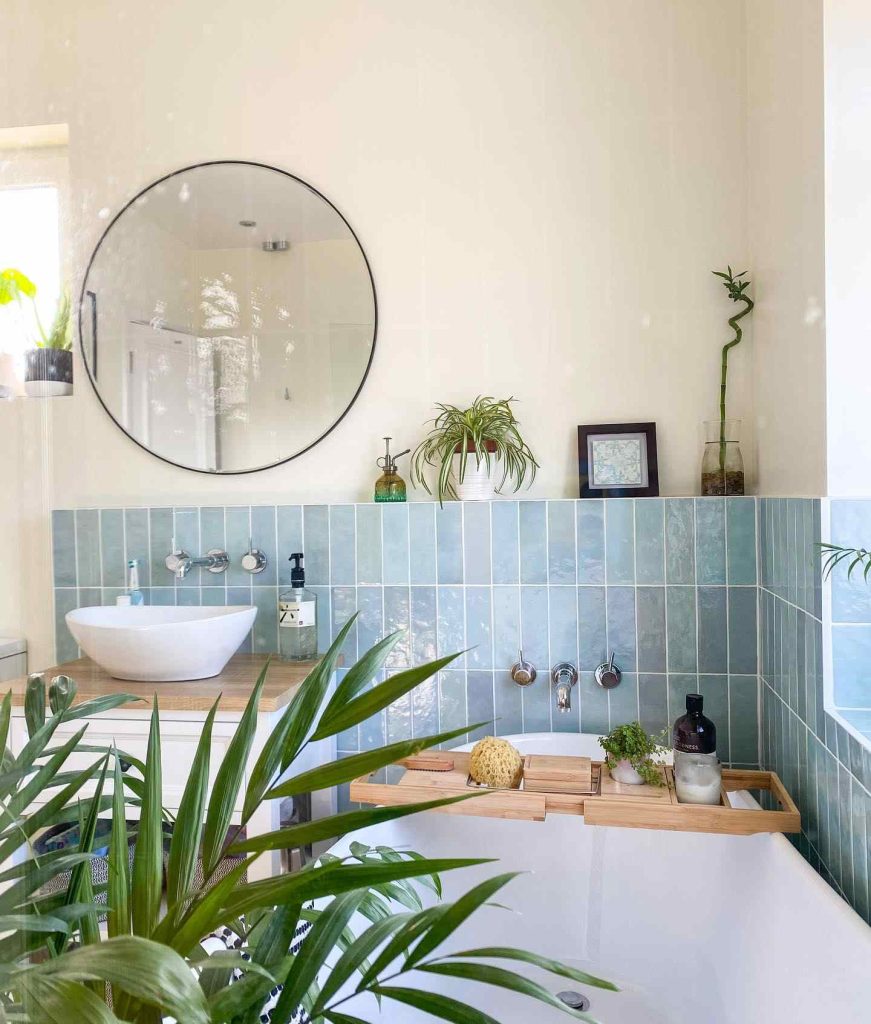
(228, 317)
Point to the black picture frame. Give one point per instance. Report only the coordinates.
(585, 469)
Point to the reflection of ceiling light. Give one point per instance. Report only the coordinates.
(279, 245)
(247, 223)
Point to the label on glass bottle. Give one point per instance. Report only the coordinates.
(296, 614)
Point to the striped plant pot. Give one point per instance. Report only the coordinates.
(48, 372)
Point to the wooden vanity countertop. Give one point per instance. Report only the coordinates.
(234, 685)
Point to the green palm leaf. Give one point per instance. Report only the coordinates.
(148, 855)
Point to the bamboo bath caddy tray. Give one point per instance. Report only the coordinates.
(577, 785)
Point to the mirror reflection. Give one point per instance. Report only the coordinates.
(228, 317)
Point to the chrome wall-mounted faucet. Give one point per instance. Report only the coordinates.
(564, 676)
(180, 562)
(608, 675)
(523, 672)
(254, 560)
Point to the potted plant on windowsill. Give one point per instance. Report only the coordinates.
(488, 432)
(632, 756)
(48, 367)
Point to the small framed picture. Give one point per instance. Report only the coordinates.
(618, 460)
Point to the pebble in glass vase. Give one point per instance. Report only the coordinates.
(722, 464)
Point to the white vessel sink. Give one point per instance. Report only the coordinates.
(161, 644)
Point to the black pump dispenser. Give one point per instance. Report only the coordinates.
(693, 732)
(297, 573)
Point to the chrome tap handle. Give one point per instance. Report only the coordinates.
(608, 675)
(178, 562)
(564, 676)
(523, 672)
(254, 560)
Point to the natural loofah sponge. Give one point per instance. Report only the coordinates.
(496, 763)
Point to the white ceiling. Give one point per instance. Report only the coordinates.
(202, 208)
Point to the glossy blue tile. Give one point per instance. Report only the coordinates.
(561, 540)
(397, 615)
(186, 530)
(452, 700)
(90, 597)
(742, 630)
(213, 534)
(425, 708)
(88, 547)
(590, 514)
(449, 540)
(136, 542)
(343, 606)
(189, 597)
(713, 638)
(422, 542)
(653, 702)
(679, 685)
(451, 623)
(508, 708)
(851, 663)
(593, 704)
(741, 541)
(368, 534)
(423, 625)
(476, 541)
(113, 557)
(478, 627)
(563, 616)
(66, 599)
(620, 602)
(534, 631)
(592, 628)
(370, 623)
(680, 565)
(166, 596)
(506, 629)
(710, 540)
(324, 600)
(316, 544)
(480, 702)
(533, 541)
(650, 540)
(623, 701)
(743, 714)
(505, 527)
(395, 540)
(263, 536)
(213, 597)
(398, 717)
(289, 527)
(680, 605)
(715, 690)
(63, 543)
(620, 540)
(651, 629)
(264, 638)
(237, 530)
(343, 568)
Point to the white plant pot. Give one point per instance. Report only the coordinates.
(625, 773)
(477, 484)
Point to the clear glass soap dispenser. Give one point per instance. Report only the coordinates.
(298, 616)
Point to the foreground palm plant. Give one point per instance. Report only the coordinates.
(56, 964)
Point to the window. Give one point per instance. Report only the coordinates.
(29, 242)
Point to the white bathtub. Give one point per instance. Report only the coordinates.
(695, 929)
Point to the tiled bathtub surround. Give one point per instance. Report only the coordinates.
(668, 584)
(850, 526)
(825, 769)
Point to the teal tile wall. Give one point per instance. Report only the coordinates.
(668, 584)
(825, 768)
(850, 526)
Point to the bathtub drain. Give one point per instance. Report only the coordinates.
(575, 1000)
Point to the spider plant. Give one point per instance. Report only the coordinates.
(834, 554)
(488, 430)
(56, 963)
(16, 287)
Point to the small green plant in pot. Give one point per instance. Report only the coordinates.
(632, 756)
(471, 448)
(48, 367)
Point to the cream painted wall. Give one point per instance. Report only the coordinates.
(540, 189)
(786, 233)
(848, 244)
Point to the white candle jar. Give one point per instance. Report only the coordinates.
(697, 778)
